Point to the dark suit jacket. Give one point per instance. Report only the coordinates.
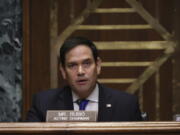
(124, 107)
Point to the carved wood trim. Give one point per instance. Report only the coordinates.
(92, 127)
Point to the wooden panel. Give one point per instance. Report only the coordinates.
(122, 86)
(63, 14)
(126, 55)
(129, 55)
(39, 42)
(114, 4)
(166, 91)
(149, 98)
(119, 35)
(176, 63)
(115, 18)
(38, 57)
(121, 72)
(164, 10)
(150, 20)
(26, 58)
(36, 49)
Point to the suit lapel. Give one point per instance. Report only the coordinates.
(105, 105)
(65, 99)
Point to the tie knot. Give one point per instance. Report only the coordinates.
(82, 103)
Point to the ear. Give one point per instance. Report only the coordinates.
(98, 64)
(62, 70)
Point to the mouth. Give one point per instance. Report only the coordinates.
(81, 81)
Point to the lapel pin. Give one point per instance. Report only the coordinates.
(108, 105)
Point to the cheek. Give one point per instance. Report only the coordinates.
(93, 73)
(70, 75)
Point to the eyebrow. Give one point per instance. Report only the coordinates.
(86, 59)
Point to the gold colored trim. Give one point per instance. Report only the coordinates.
(132, 45)
(113, 27)
(150, 19)
(112, 80)
(140, 97)
(53, 33)
(114, 10)
(77, 21)
(124, 64)
(157, 96)
(151, 69)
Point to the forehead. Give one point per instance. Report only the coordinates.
(79, 53)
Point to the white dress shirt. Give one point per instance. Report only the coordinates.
(93, 100)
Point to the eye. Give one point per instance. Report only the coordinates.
(72, 65)
(87, 63)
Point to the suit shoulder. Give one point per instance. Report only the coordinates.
(48, 95)
(49, 92)
(119, 93)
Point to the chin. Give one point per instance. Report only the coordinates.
(83, 91)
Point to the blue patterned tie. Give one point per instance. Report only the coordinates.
(82, 103)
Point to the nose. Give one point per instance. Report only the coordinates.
(80, 71)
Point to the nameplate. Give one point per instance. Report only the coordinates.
(65, 116)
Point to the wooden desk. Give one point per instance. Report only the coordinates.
(91, 128)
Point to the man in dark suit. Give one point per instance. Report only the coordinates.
(80, 67)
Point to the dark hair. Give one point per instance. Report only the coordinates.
(73, 42)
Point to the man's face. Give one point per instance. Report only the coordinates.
(81, 70)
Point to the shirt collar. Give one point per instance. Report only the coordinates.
(92, 97)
